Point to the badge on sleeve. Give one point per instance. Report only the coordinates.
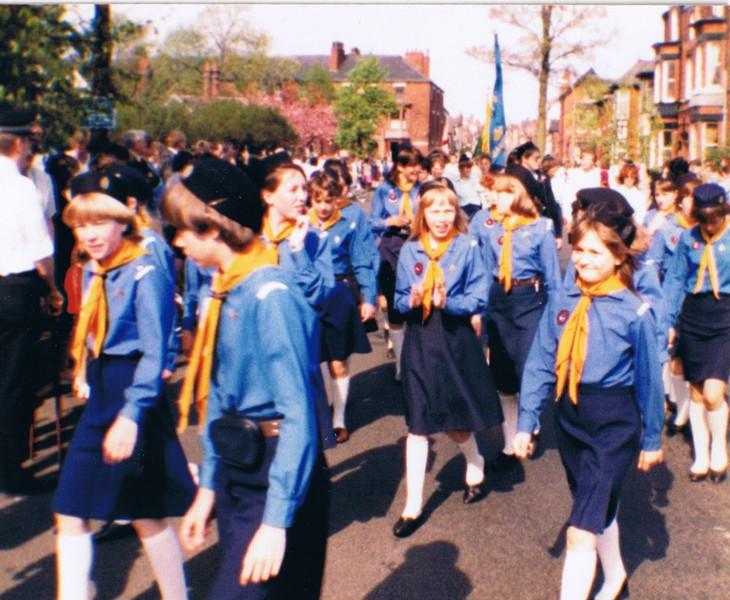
(563, 317)
(418, 269)
(675, 239)
(500, 241)
(392, 197)
(696, 245)
(489, 222)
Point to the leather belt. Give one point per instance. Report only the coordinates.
(536, 281)
(270, 428)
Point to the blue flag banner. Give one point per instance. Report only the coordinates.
(497, 124)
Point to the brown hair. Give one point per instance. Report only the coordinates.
(710, 214)
(273, 179)
(686, 192)
(664, 185)
(185, 210)
(95, 206)
(325, 184)
(523, 204)
(406, 157)
(435, 192)
(628, 170)
(548, 163)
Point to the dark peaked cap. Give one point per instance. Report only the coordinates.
(707, 195)
(16, 122)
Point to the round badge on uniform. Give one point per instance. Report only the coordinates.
(696, 246)
(489, 222)
(418, 269)
(500, 241)
(675, 239)
(392, 197)
(337, 239)
(563, 317)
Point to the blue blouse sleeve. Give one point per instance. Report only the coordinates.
(473, 300)
(191, 292)
(656, 253)
(675, 279)
(312, 268)
(550, 261)
(361, 261)
(403, 280)
(378, 214)
(648, 382)
(154, 308)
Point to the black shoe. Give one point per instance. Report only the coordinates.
(404, 526)
(113, 531)
(696, 477)
(673, 429)
(390, 354)
(505, 462)
(341, 435)
(718, 476)
(534, 444)
(474, 493)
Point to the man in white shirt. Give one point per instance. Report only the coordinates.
(26, 275)
(587, 175)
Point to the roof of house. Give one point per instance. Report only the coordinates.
(396, 66)
(590, 73)
(640, 67)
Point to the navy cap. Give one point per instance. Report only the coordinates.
(136, 183)
(707, 195)
(17, 122)
(105, 146)
(101, 183)
(606, 199)
(225, 188)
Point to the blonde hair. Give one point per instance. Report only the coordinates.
(523, 204)
(434, 193)
(95, 206)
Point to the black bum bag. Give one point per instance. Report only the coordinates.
(238, 442)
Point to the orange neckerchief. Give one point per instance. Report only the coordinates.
(406, 205)
(95, 311)
(275, 240)
(573, 344)
(707, 262)
(434, 273)
(334, 219)
(197, 377)
(511, 223)
(682, 221)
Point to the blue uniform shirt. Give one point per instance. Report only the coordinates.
(311, 266)
(621, 352)
(197, 282)
(347, 251)
(271, 376)
(464, 275)
(140, 300)
(479, 227)
(387, 203)
(357, 215)
(663, 245)
(684, 266)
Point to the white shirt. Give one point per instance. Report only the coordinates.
(579, 179)
(44, 185)
(24, 236)
(638, 200)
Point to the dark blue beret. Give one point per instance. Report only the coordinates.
(100, 182)
(137, 185)
(606, 198)
(707, 195)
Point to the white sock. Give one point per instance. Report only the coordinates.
(667, 381)
(614, 572)
(416, 459)
(327, 380)
(340, 388)
(166, 557)
(397, 336)
(717, 422)
(474, 461)
(579, 569)
(510, 409)
(388, 341)
(74, 554)
(700, 437)
(680, 389)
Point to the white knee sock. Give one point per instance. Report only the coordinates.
(474, 461)
(609, 552)
(416, 459)
(510, 408)
(74, 554)
(579, 569)
(717, 422)
(340, 388)
(700, 437)
(680, 390)
(166, 557)
(388, 341)
(397, 336)
(327, 380)
(667, 381)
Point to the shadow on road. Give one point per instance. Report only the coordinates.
(373, 394)
(428, 573)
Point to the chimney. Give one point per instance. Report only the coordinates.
(355, 52)
(419, 61)
(337, 56)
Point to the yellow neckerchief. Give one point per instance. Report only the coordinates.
(197, 377)
(682, 221)
(574, 342)
(333, 220)
(95, 311)
(707, 262)
(274, 240)
(406, 205)
(669, 211)
(511, 223)
(434, 273)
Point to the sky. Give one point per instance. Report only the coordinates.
(444, 31)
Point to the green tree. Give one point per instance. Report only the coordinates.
(360, 106)
(317, 86)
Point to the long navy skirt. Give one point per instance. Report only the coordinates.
(343, 333)
(512, 321)
(153, 483)
(598, 441)
(240, 501)
(390, 247)
(704, 337)
(447, 383)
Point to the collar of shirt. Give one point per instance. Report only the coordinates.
(9, 166)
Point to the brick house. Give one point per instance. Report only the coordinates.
(691, 87)
(421, 117)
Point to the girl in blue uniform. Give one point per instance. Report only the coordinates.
(196, 285)
(522, 270)
(665, 199)
(125, 461)
(697, 287)
(352, 301)
(391, 215)
(252, 372)
(448, 387)
(595, 352)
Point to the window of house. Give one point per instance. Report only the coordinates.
(668, 138)
(622, 130)
(657, 83)
(711, 135)
(718, 11)
(622, 104)
(712, 64)
(670, 80)
(400, 91)
(688, 79)
(700, 67)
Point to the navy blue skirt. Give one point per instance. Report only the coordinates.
(512, 321)
(240, 501)
(153, 483)
(343, 333)
(447, 383)
(598, 441)
(390, 247)
(703, 342)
